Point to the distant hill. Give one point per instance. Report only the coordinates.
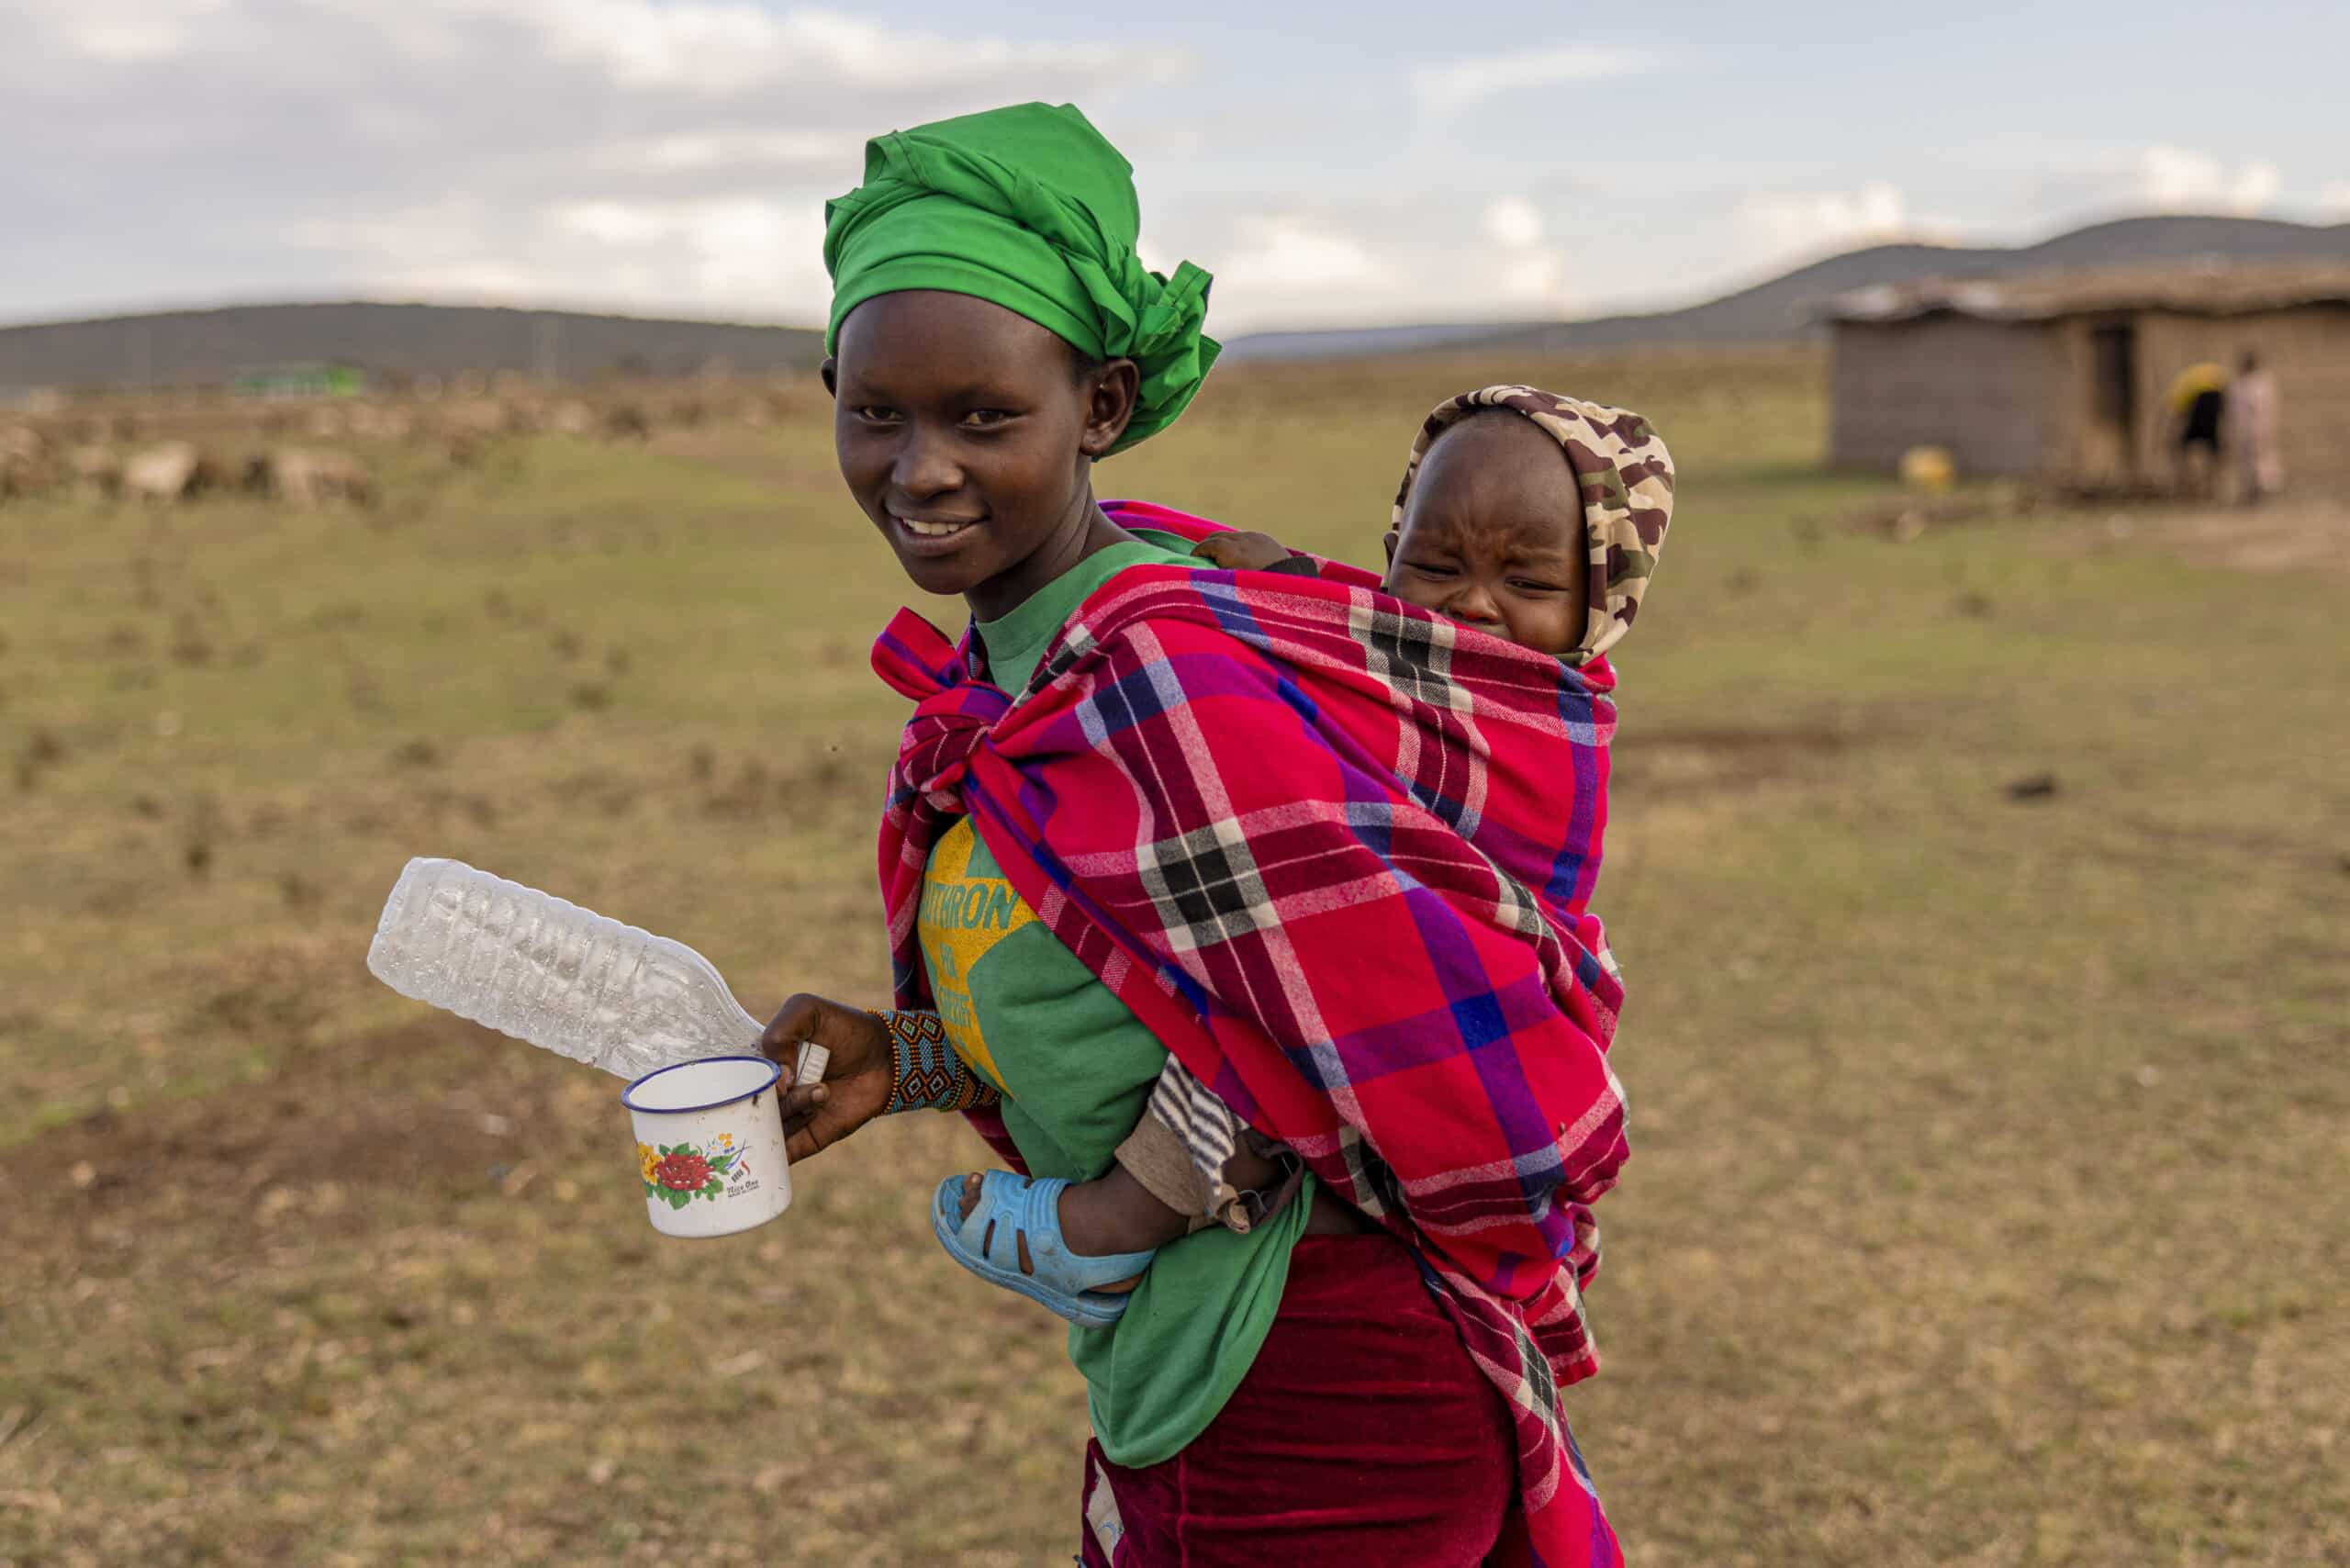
(183, 348)
(1781, 309)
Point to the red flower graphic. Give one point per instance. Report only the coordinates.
(682, 1173)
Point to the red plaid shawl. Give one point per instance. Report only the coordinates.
(1334, 851)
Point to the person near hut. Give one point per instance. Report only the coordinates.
(2198, 399)
(2252, 430)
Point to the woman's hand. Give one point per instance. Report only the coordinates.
(857, 1080)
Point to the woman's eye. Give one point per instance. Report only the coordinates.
(985, 418)
(875, 415)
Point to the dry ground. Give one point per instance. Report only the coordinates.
(1988, 1201)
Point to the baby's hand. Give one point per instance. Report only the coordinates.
(1240, 552)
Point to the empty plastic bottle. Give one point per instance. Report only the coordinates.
(562, 978)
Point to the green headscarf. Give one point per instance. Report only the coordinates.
(1031, 208)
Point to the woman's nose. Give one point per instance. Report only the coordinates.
(925, 469)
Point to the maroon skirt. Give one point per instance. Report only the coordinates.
(1363, 1437)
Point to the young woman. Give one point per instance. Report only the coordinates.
(1314, 843)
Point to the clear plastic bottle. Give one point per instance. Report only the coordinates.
(562, 978)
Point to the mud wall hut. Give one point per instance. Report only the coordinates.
(2064, 378)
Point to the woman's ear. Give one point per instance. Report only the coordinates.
(1110, 406)
(831, 371)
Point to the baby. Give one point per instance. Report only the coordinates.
(1490, 529)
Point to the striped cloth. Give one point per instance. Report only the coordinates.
(1197, 1116)
(1335, 852)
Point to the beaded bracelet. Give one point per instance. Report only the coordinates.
(924, 1071)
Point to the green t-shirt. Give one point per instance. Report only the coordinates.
(1076, 1068)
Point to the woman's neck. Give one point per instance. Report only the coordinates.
(1087, 530)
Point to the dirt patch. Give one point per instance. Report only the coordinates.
(363, 1114)
(2141, 833)
(2283, 536)
(1698, 760)
(1904, 517)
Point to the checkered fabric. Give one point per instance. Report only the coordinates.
(1335, 853)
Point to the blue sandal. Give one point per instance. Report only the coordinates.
(989, 1244)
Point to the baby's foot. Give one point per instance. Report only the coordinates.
(1082, 1231)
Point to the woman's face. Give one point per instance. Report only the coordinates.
(967, 434)
(1493, 536)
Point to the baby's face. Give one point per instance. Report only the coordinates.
(1493, 536)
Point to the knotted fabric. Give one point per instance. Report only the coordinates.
(1031, 208)
(1335, 852)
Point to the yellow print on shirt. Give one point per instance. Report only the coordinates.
(962, 918)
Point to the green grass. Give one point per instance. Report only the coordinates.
(1986, 1203)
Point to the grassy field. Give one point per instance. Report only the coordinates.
(1987, 1203)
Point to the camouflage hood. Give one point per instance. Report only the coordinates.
(1626, 476)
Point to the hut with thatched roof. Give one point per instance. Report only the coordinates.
(2067, 376)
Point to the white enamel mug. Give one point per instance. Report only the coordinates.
(710, 1144)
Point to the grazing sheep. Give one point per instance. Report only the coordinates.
(22, 476)
(95, 471)
(627, 422)
(171, 471)
(308, 478)
(480, 418)
(23, 444)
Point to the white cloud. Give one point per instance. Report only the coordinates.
(1533, 284)
(2174, 180)
(729, 256)
(130, 30)
(1778, 225)
(1527, 279)
(728, 48)
(1458, 84)
(610, 222)
(2158, 179)
(1513, 221)
(2334, 201)
(1289, 255)
(689, 151)
(640, 154)
(1398, 259)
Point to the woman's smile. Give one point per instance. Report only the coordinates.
(932, 536)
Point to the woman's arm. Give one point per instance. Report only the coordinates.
(881, 1062)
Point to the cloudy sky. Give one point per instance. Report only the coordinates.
(1353, 162)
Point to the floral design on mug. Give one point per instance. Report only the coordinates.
(682, 1170)
(679, 1174)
